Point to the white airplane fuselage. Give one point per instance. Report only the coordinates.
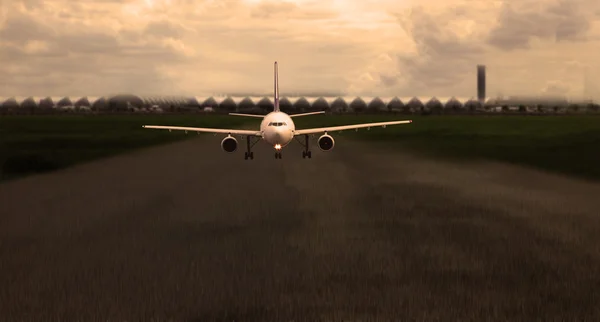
(277, 129)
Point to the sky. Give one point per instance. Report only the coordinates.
(324, 47)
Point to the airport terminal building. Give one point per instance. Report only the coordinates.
(261, 104)
(133, 103)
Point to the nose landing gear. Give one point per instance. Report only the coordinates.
(277, 155)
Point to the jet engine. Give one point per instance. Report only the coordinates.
(229, 144)
(326, 142)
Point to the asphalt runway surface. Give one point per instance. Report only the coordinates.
(186, 232)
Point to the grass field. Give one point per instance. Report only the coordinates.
(564, 144)
(34, 144)
(561, 144)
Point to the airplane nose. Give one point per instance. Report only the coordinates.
(281, 135)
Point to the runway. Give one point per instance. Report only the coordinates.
(186, 232)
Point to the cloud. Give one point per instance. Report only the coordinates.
(350, 47)
(293, 11)
(447, 42)
(519, 22)
(76, 57)
(555, 88)
(165, 29)
(444, 47)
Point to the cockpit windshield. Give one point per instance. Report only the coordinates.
(277, 124)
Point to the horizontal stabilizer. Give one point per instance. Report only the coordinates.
(248, 115)
(306, 114)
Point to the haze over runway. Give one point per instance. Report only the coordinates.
(189, 233)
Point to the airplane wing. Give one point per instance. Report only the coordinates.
(348, 127)
(203, 129)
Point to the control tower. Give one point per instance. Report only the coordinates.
(481, 83)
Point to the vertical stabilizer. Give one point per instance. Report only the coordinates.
(276, 89)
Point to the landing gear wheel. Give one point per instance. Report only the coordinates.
(249, 154)
(277, 155)
(306, 153)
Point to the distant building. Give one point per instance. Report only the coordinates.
(529, 101)
(481, 83)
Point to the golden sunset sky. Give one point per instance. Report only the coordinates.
(368, 48)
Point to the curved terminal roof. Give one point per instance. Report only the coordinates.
(266, 102)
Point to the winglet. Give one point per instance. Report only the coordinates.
(276, 90)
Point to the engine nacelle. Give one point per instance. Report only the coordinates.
(229, 144)
(326, 142)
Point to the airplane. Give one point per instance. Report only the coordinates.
(277, 129)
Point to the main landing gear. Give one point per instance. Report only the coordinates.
(306, 153)
(249, 154)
